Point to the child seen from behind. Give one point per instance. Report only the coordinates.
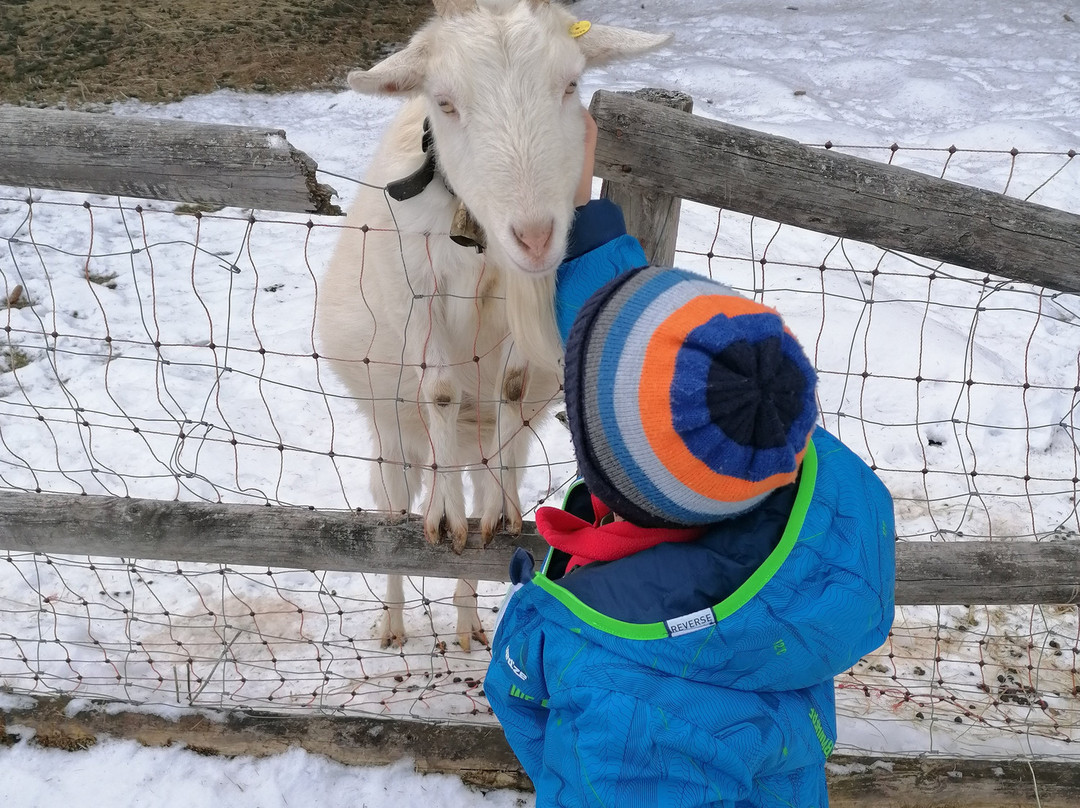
(720, 561)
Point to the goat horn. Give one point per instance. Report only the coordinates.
(450, 8)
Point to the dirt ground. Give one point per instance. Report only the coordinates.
(78, 52)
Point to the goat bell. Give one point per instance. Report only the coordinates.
(465, 230)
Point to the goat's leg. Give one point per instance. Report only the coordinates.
(525, 397)
(440, 408)
(497, 485)
(496, 489)
(469, 627)
(392, 485)
(393, 622)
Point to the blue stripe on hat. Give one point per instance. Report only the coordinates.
(695, 419)
(591, 449)
(636, 473)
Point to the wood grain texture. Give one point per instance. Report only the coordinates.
(652, 217)
(656, 149)
(935, 573)
(211, 165)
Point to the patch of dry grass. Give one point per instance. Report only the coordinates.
(65, 738)
(75, 52)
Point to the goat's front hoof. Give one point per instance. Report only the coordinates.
(458, 537)
(489, 526)
(458, 533)
(465, 639)
(433, 532)
(393, 631)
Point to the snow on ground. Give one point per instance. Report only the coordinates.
(863, 75)
(123, 773)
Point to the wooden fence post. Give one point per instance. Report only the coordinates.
(651, 216)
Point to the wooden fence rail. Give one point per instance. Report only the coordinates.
(976, 572)
(479, 754)
(649, 152)
(149, 158)
(652, 148)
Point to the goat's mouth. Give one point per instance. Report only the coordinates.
(537, 269)
(532, 266)
(535, 248)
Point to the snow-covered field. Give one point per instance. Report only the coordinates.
(231, 406)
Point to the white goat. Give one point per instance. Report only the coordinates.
(453, 355)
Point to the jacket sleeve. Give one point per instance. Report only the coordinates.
(598, 251)
(515, 686)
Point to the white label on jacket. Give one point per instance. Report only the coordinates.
(690, 622)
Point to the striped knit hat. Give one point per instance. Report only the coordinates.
(687, 403)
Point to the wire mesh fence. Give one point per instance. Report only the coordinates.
(962, 391)
(172, 353)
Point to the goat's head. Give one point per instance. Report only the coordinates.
(500, 78)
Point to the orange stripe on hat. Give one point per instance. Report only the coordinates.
(654, 397)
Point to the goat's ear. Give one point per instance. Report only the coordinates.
(402, 72)
(603, 43)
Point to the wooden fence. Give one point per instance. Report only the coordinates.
(178, 161)
(650, 155)
(928, 573)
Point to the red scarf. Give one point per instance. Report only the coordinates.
(601, 541)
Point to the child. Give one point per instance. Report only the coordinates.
(722, 560)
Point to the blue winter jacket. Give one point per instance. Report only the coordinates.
(699, 673)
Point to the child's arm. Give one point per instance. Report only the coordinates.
(514, 684)
(599, 249)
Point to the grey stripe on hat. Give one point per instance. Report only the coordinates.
(591, 359)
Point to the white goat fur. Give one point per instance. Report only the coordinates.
(453, 355)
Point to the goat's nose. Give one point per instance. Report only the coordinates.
(535, 238)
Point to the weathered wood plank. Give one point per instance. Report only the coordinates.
(977, 572)
(146, 158)
(479, 754)
(652, 217)
(856, 782)
(243, 534)
(656, 149)
(987, 572)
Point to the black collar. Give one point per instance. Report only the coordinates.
(464, 231)
(416, 182)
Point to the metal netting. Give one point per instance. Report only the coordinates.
(172, 354)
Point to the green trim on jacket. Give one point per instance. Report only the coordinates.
(736, 600)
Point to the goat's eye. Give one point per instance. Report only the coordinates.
(571, 88)
(447, 107)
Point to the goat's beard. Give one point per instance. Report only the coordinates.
(530, 313)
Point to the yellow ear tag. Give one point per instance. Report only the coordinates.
(580, 28)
